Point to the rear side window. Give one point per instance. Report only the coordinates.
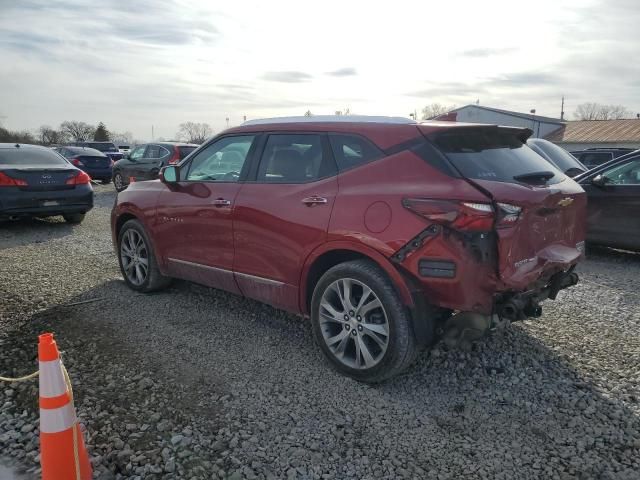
(184, 151)
(153, 151)
(351, 151)
(30, 156)
(496, 155)
(294, 158)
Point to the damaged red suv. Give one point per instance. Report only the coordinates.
(383, 231)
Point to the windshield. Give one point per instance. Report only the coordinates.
(559, 156)
(103, 147)
(497, 155)
(31, 156)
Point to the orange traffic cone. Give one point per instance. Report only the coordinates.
(62, 452)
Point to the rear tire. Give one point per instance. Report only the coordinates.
(360, 323)
(137, 259)
(118, 182)
(74, 218)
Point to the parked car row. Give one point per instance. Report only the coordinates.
(145, 161)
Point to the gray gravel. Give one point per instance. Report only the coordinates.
(195, 383)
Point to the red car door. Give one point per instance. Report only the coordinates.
(194, 229)
(282, 216)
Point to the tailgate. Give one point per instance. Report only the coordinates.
(539, 211)
(548, 235)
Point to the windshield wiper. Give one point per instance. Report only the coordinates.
(535, 177)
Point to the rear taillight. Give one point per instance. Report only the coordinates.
(175, 158)
(81, 179)
(509, 214)
(7, 181)
(77, 162)
(464, 216)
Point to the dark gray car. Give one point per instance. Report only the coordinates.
(145, 161)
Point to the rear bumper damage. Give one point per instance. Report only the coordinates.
(522, 305)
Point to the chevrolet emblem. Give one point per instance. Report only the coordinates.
(565, 202)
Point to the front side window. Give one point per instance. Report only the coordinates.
(293, 158)
(137, 152)
(625, 174)
(351, 151)
(221, 161)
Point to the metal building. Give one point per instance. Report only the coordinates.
(541, 126)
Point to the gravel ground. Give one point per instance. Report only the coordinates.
(199, 384)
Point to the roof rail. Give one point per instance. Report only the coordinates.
(332, 118)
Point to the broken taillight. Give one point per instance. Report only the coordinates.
(464, 216)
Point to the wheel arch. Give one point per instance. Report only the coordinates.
(333, 253)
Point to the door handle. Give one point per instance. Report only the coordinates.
(314, 200)
(221, 202)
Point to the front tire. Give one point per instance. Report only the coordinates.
(360, 323)
(137, 260)
(74, 218)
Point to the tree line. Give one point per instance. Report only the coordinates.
(68, 131)
(74, 131)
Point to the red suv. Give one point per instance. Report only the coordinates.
(382, 230)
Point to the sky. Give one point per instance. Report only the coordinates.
(136, 63)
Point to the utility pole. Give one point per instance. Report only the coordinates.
(152, 136)
(533, 120)
(227, 122)
(562, 109)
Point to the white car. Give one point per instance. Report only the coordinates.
(124, 149)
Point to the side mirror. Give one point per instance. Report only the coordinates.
(600, 180)
(169, 174)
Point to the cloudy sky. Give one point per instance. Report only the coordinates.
(137, 63)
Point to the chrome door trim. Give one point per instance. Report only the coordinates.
(266, 281)
(199, 265)
(254, 278)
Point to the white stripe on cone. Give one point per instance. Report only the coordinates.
(51, 379)
(55, 420)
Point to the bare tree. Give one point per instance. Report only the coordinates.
(308, 113)
(435, 109)
(77, 131)
(346, 111)
(597, 111)
(124, 138)
(193, 132)
(49, 136)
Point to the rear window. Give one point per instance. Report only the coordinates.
(495, 155)
(103, 147)
(30, 156)
(184, 151)
(86, 151)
